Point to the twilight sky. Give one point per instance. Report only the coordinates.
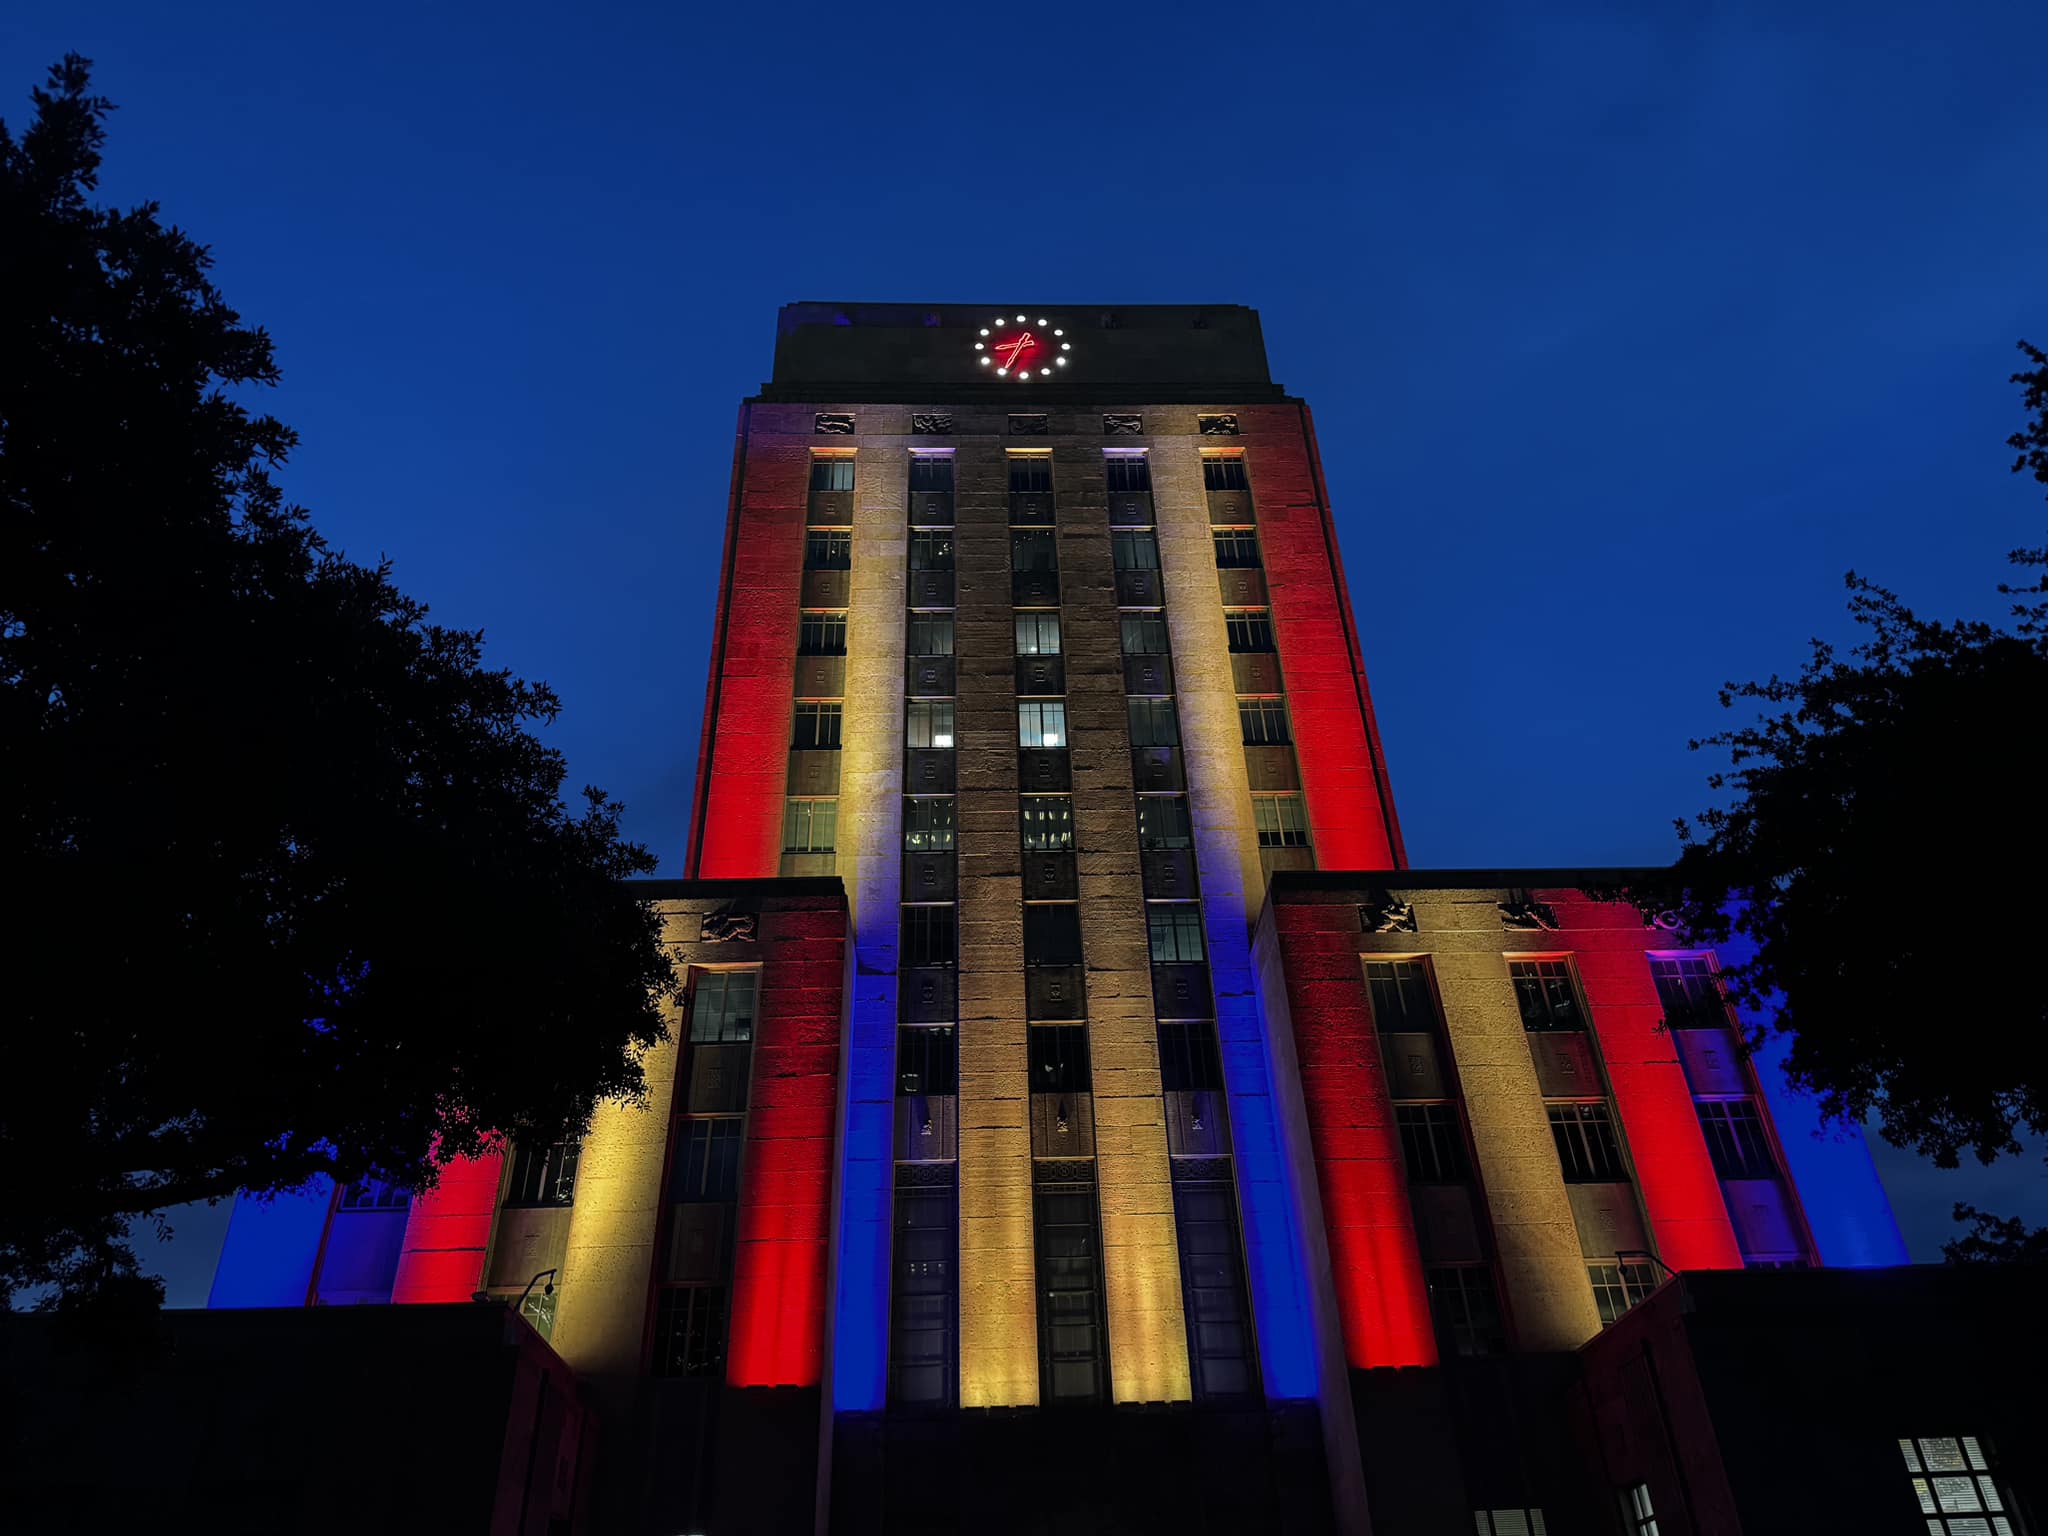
(1626, 334)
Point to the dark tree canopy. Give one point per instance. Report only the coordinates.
(295, 890)
(1883, 846)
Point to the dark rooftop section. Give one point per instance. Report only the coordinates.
(1288, 882)
(1137, 353)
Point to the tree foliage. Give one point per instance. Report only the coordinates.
(295, 890)
(1881, 846)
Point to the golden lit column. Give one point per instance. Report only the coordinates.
(998, 1270)
(1148, 1350)
(1534, 1235)
(871, 752)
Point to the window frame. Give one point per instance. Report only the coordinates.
(828, 622)
(1592, 1158)
(931, 719)
(1249, 632)
(1288, 814)
(816, 725)
(1036, 620)
(1042, 710)
(803, 813)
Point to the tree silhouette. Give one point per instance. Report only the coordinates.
(295, 890)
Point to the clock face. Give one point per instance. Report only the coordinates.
(1023, 347)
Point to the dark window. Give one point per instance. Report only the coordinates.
(1586, 1144)
(1432, 1141)
(1134, 549)
(924, 1305)
(707, 1160)
(817, 727)
(1059, 1058)
(1249, 632)
(931, 634)
(1400, 994)
(1176, 929)
(1038, 633)
(931, 551)
(1467, 1312)
(722, 1006)
(1188, 1059)
(1163, 823)
(822, 634)
(1212, 1283)
(810, 826)
(1126, 473)
(1034, 549)
(1237, 551)
(1736, 1139)
(1072, 1360)
(927, 1061)
(1052, 934)
(1144, 634)
(374, 1195)
(1689, 991)
(1030, 473)
(927, 825)
(1224, 472)
(1281, 821)
(544, 1175)
(828, 551)
(1545, 994)
(689, 1331)
(1637, 1510)
(832, 472)
(928, 723)
(1620, 1285)
(931, 472)
(1263, 722)
(1041, 723)
(928, 935)
(1153, 723)
(1048, 823)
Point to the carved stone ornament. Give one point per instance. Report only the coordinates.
(1027, 426)
(1666, 920)
(931, 423)
(1217, 426)
(1123, 426)
(726, 925)
(1387, 913)
(833, 423)
(1527, 915)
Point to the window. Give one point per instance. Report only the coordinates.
(1400, 994)
(817, 728)
(928, 936)
(538, 1308)
(1059, 1058)
(927, 825)
(927, 1061)
(707, 1160)
(1467, 1313)
(722, 1006)
(1176, 929)
(924, 1307)
(1545, 994)
(1034, 550)
(1030, 474)
(1249, 631)
(1509, 1522)
(1586, 1143)
(1953, 1477)
(689, 1331)
(928, 723)
(1163, 823)
(931, 472)
(544, 1175)
(931, 634)
(1073, 1363)
(1145, 634)
(1127, 473)
(1038, 634)
(931, 550)
(1048, 823)
(1432, 1141)
(1280, 820)
(821, 634)
(1134, 549)
(1619, 1285)
(1212, 1283)
(825, 550)
(810, 826)
(1041, 723)
(1188, 1058)
(1689, 991)
(1736, 1139)
(831, 471)
(374, 1195)
(1263, 722)
(1052, 933)
(1237, 550)
(1637, 1511)
(1153, 723)
(1224, 472)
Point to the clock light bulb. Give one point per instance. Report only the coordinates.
(977, 345)
(1061, 361)
(1058, 332)
(1002, 370)
(1066, 346)
(1020, 319)
(1041, 319)
(984, 330)
(984, 361)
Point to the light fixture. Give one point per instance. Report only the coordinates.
(984, 330)
(1041, 319)
(1002, 370)
(1020, 319)
(1061, 361)
(979, 345)
(984, 360)
(1058, 332)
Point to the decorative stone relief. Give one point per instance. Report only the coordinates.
(1386, 913)
(1527, 915)
(1217, 426)
(1123, 426)
(931, 423)
(1027, 426)
(726, 925)
(833, 423)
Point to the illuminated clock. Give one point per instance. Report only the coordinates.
(1023, 347)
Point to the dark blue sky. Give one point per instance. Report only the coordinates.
(1625, 334)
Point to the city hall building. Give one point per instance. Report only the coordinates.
(1081, 1116)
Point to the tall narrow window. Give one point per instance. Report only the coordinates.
(1034, 550)
(1134, 549)
(1250, 631)
(722, 1006)
(1587, 1147)
(1735, 1138)
(1153, 723)
(1545, 995)
(1030, 473)
(821, 634)
(928, 936)
(1126, 473)
(1212, 1285)
(1038, 633)
(825, 550)
(1041, 723)
(931, 551)
(1263, 722)
(1638, 1511)
(689, 1331)
(1236, 550)
(1223, 472)
(1689, 991)
(817, 727)
(1048, 822)
(1401, 998)
(924, 1304)
(1433, 1142)
(1072, 1360)
(1144, 634)
(930, 634)
(707, 1159)
(1467, 1312)
(1176, 930)
(810, 826)
(928, 825)
(1280, 820)
(928, 723)
(832, 472)
(1163, 823)
(931, 472)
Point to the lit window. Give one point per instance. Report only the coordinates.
(1224, 472)
(1048, 822)
(928, 723)
(689, 1331)
(1432, 1142)
(1466, 1310)
(1038, 634)
(1587, 1147)
(825, 550)
(1144, 634)
(1153, 723)
(1954, 1486)
(928, 825)
(1030, 474)
(928, 936)
(931, 551)
(817, 728)
(1619, 1285)
(931, 472)
(1236, 550)
(1736, 1139)
(722, 1007)
(1163, 823)
(1127, 473)
(821, 634)
(1134, 549)
(1509, 1522)
(810, 826)
(1689, 991)
(832, 472)
(1249, 632)
(1280, 821)
(1545, 995)
(707, 1160)
(1401, 997)
(1637, 1510)
(1176, 929)
(544, 1175)
(1041, 723)
(931, 634)
(1263, 722)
